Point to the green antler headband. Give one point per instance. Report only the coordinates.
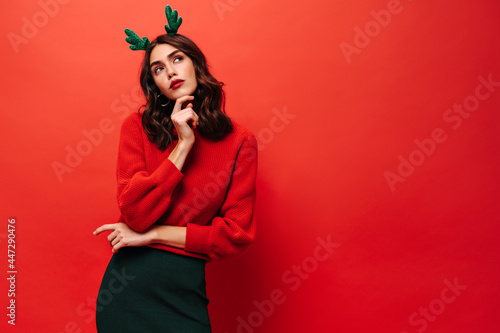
(173, 22)
(136, 41)
(171, 28)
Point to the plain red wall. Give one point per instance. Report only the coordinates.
(353, 106)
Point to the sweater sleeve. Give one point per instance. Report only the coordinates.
(232, 231)
(143, 197)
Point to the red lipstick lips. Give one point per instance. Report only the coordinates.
(176, 84)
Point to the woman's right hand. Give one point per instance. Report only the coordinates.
(122, 236)
(185, 120)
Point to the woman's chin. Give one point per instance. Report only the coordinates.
(179, 92)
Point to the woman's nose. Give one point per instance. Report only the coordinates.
(171, 72)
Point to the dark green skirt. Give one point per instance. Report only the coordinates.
(149, 290)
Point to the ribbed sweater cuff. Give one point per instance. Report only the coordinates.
(197, 238)
(167, 171)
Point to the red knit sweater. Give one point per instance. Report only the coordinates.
(213, 195)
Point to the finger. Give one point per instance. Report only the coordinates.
(112, 236)
(184, 117)
(193, 121)
(186, 120)
(185, 103)
(115, 241)
(116, 247)
(179, 101)
(105, 227)
(197, 120)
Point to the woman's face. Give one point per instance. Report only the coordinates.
(173, 71)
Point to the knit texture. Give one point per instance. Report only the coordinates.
(213, 196)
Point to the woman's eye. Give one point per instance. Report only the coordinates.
(158, 69)
(177, 59)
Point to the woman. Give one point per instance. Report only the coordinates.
(186, 191)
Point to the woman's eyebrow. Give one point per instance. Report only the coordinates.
(170, 55)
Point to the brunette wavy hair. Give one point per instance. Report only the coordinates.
(209, 98)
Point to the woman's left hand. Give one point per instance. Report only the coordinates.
(121, 235)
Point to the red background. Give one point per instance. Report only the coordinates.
(321, 172)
